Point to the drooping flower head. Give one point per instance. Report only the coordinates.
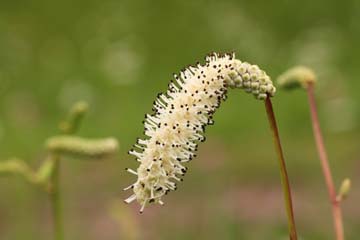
(295, 77)
(180, 116)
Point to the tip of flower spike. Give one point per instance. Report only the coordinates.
(295, 77)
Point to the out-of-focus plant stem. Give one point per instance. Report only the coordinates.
(336, 208)
(69, 127)
(55, 197)
(284, 176)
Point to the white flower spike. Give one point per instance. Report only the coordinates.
(180, 115)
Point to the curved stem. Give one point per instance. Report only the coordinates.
(56, 200)
(336, 209)
(284, 176)
(69, 127)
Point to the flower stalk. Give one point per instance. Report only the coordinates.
(69, 126)
(336, 208)
(305, 78)
(55, 199)
(284, 175)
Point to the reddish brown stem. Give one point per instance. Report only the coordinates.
(284, 176)
(336, 209)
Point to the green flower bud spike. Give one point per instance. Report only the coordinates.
(304, 77)
(81, 147)
(295, 77)
(73, 121)
(47, 176)
(176, 127)
(19, 167)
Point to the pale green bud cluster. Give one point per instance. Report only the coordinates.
(252, 79)
(82, 147)
(59, 146)
(295, 77)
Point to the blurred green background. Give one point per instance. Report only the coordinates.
(118, 55)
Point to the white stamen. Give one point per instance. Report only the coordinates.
(131, 171)
(129, 187)
(130, 199)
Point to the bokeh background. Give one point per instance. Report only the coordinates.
(118, 55)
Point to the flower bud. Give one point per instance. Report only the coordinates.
(296, 77)
(344, 189)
